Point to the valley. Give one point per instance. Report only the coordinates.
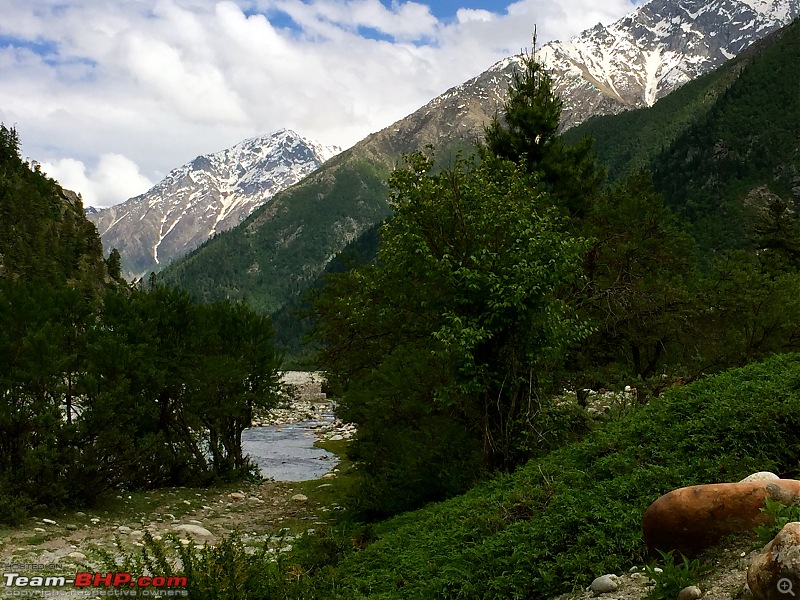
(546, 331)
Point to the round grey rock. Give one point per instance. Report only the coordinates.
(691, 592)
(760, 476)
(604, 584)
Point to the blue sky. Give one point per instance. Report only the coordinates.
(111, 95)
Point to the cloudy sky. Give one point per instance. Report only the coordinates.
(110, 95)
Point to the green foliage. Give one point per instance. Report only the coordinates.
(527, 133)
(779, 515)
(114, 264)
(446, 342)
(670, 578)
(140, 390)
(566, 517)
(103, 387)
(637, 288)
(227, 571)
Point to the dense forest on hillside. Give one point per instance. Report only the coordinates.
(723, 149)
(104, 387)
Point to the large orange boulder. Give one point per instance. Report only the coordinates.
(694, 518)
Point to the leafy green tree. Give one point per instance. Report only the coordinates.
(637, 290)
(236, 371)
(462, 297)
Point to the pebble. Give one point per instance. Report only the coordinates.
(300, 497)
(71, 527)
(49, 521)
(123, 529)
(77, 555)
(236, 496)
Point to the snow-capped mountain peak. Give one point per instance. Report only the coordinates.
(210, 194)
(657, 48)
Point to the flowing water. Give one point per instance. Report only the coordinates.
(287, 452)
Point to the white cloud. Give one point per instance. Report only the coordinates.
(113, 179)
(157, 82)
(465, 15)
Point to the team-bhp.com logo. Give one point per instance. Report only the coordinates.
(158, 585)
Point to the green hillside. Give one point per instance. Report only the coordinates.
(268, 258)
(44, 234)
(575, 514)
(740, 163)
(634, 139)
(723, 147)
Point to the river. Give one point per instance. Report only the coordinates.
(287, 452)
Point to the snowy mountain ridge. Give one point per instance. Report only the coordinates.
(212, 193)
(643, 56)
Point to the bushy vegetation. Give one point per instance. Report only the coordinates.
(104, 387)
(669, 577)
(779, 515)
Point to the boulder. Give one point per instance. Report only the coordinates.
(691, 592)
(775, 571)
(694, 518)
(196, 532)
(604, 584)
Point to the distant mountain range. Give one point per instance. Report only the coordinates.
(204, 197)
(279, 250)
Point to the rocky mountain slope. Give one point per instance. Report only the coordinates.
(605, 70)
(656, 49)
(204, 197)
